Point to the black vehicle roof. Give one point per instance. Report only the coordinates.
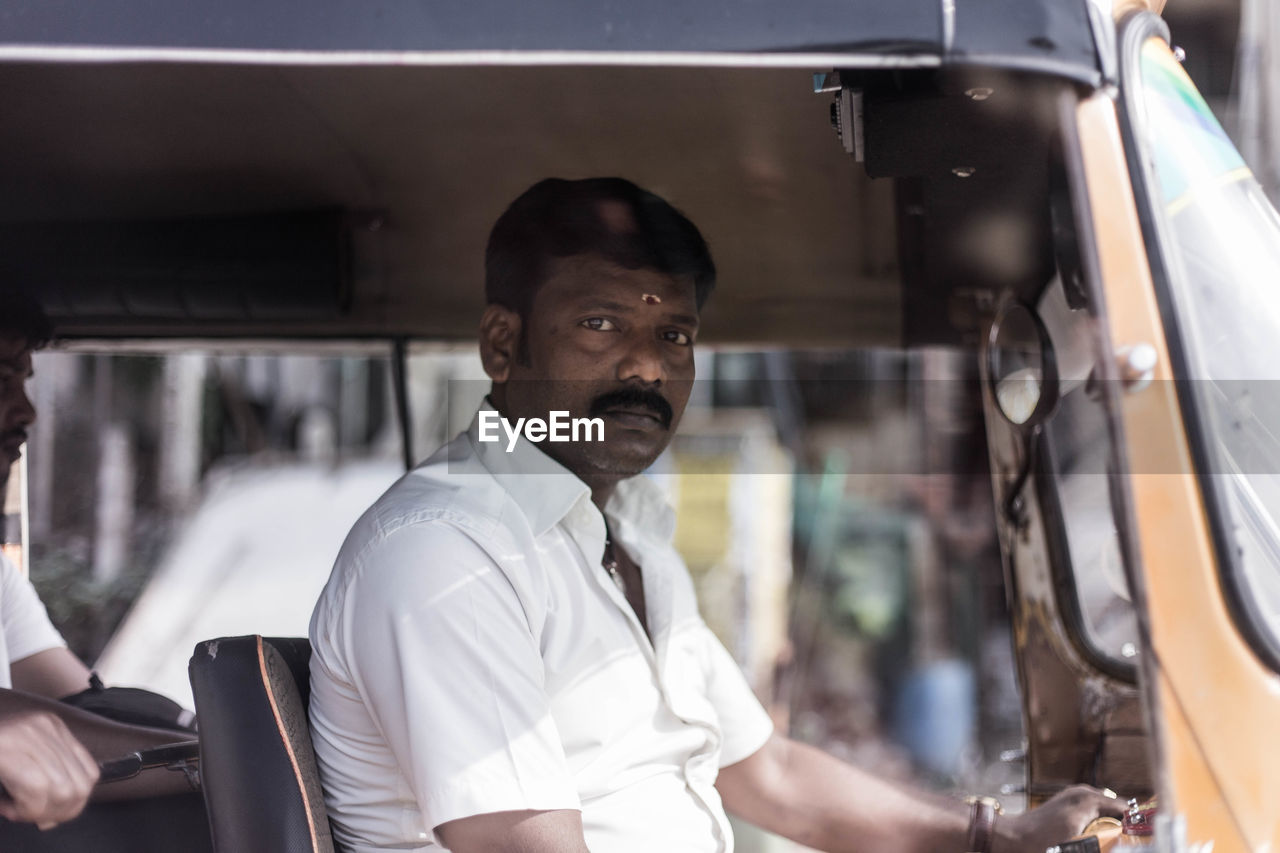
(1027, 33)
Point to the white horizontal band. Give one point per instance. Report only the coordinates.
(241, 56)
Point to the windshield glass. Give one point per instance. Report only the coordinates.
(1224, 254)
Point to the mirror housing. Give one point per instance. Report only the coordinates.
(1021, 366)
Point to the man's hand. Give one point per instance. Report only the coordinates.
(47, 774)
(1064, 816)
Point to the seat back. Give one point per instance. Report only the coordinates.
(257, 766)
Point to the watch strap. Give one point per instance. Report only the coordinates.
(982, 824)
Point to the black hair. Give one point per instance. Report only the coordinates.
(21, 316)
(557, 218)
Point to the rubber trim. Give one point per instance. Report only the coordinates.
(1068, 180)
(1062, 571)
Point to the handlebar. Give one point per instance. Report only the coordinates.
(183, 756)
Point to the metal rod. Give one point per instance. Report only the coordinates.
(399, 378)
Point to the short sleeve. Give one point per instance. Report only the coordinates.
(744, 724)
(441, 649)
(26, 625)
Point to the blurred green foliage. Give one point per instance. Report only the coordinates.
(86, 610)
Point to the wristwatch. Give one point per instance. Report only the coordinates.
(982, 823)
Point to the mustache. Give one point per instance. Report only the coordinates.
(12, 434)
(633, 398)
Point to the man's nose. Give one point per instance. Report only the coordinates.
(644, 360)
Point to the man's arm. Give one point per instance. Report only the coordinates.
(53, 673)
(558, 831)
(801, 793)
(441, 651)
(104, 739)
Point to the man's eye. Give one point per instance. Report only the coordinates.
(599, 324)
(677, 337)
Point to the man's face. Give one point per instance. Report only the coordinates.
(609, 342)
(16, 411)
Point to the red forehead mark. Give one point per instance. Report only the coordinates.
(650, 299)
(617, 217)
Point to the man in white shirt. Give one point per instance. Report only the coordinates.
(508, 654)
(47, 749)
(46, 772)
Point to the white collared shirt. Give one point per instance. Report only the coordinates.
(25, 628)
(471, 655)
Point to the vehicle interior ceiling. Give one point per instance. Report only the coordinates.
(213, 200)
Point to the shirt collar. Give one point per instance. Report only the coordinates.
(546, 491)
(641, 503)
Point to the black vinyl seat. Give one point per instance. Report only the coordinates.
(257, 766)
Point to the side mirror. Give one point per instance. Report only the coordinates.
(1021, 366)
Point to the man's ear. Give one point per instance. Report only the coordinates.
(499, 340)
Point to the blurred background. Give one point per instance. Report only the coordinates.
(834, 506)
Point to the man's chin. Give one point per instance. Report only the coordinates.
(621, 458)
